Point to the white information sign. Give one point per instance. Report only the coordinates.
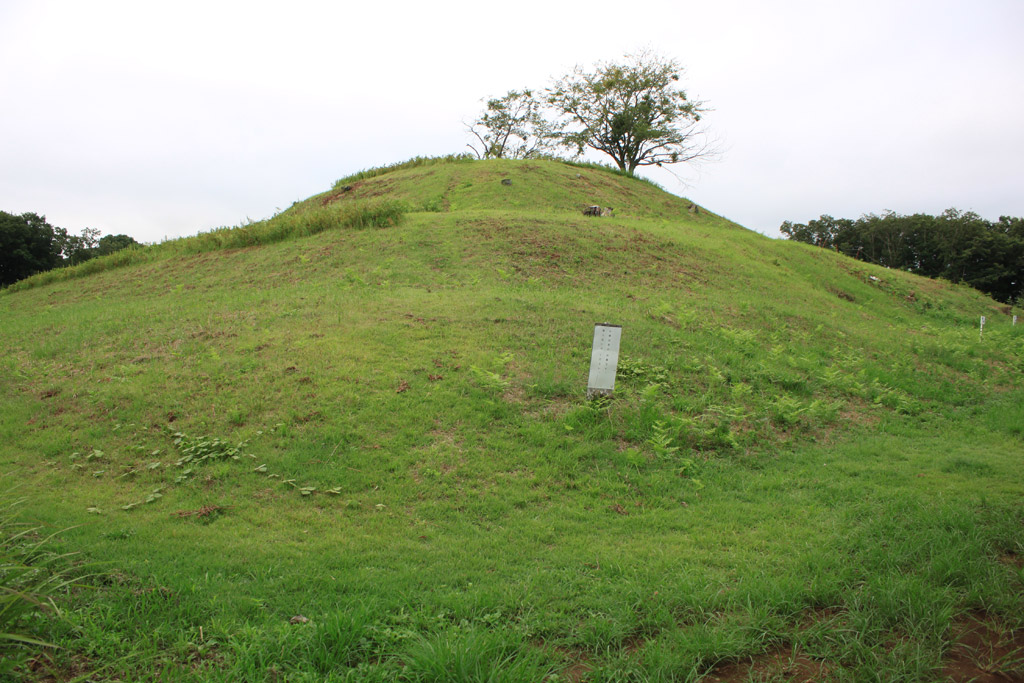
(604, 360)
(981, 330)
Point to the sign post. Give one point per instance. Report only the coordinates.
(981, 330)
(604, 360)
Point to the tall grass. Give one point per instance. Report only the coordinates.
(123, 257)
(356, 216)
(289, 225)
(476, 656)
(415, 162)
(31, 575)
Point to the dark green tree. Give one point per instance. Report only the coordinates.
(28, 245)
(959, 246)
(634, 112)
(108, 244)
(80, 248)
(824, 231)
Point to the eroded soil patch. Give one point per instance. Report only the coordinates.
(784, 664)
(985, 651)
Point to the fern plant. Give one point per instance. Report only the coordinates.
(661, 439)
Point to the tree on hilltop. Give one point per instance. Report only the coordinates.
(634, 112)
(511, 127)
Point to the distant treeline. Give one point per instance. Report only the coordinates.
(30, 245)
(956, 245)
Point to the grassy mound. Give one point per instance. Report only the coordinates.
(384, 432)
(501, 184)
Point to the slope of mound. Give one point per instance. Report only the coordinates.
(503, 184)
(384, 430)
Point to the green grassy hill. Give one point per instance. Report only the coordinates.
(811, 465)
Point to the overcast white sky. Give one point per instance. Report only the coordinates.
(161, 119)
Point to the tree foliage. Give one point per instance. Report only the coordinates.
(632, 111)
(511, 127)
(80, 248)
(955, 245)
(30, 245)
(108, 244)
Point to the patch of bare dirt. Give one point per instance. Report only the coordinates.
(514, 394)
(633, 644)
(782, 663)
(813, 616)
(204, 511)
(842, 294)
(576, 672)
(984, 651)
(1013, 559)
(445, 438)
(577, 664)
(266, 494)
(75, 667)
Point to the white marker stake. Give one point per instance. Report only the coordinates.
(604, 360)
(1015, 321)
(981, 330)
